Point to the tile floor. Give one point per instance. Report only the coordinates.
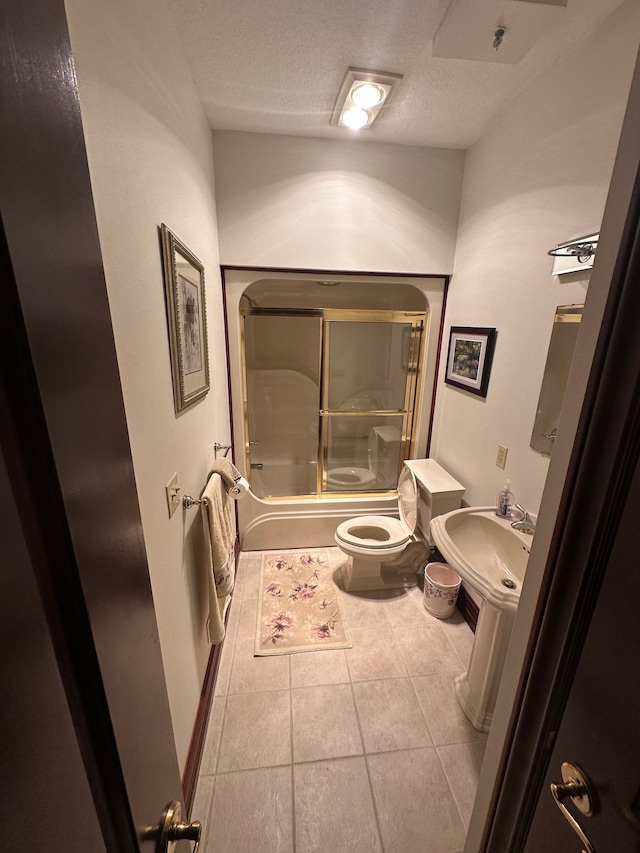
(362, 750)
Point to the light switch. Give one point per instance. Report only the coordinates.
(501, 456)
(173, 494)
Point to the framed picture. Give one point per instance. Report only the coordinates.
(469, 359)
(186, 316)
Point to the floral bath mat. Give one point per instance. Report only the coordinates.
(298, 608)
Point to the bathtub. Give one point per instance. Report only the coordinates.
(302, 522)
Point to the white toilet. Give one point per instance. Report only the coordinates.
(386, 552)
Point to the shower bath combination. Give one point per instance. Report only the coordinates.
(331, 376)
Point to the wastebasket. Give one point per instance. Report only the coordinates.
(441, 587)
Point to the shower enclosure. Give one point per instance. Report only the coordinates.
(332, 379)
(330, 398)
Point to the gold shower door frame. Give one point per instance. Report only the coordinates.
(416, 320)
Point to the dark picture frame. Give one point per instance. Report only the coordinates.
(187, 320)
(469, 358)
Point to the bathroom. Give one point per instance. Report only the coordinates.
(485, 213)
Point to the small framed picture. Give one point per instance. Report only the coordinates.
(186, 317)
(469, 358)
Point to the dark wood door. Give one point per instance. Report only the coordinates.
(64, 438)
(599, 729)
(47, 802)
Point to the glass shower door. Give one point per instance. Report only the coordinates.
(282, 398)
(369, 387)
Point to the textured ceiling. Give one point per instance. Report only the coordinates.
(275, 66)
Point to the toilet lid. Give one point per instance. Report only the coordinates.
(408, 499)
(373, 531)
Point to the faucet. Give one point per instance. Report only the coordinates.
(525, 525)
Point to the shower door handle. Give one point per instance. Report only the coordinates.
(253, 443)
(257, 465)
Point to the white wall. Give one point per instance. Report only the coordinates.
(297, 202)
(539, 177)
(150, 159)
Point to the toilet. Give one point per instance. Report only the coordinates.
(383, 453)
(386, 552)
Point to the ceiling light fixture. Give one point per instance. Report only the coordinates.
(362, 96)
(367, 95)
(355, 118)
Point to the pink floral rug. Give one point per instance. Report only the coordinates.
(298, 608)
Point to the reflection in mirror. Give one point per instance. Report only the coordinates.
(556, 373)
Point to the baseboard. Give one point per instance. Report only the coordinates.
(199, 734)
(468, 608)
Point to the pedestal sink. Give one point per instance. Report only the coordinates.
(491, 558)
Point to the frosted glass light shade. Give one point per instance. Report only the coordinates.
(355, 118)
(368, 95)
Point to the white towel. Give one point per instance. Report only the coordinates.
(219, 540)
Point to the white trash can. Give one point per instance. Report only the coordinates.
(441, 587)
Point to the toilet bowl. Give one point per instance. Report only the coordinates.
(385, 552)
(375, 543)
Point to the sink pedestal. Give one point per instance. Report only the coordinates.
(477, 688)
(491, 557)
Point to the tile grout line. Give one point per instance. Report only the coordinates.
(210, 815)
(453, 793)
(293, 781)
(221, 735)
(366, 762)
(465, 666)
(322, 760)
(226, 700)
(422, 711)
(435, 748)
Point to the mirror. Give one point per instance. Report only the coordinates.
(556, 373)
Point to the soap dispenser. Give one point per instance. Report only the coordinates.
(504, 501)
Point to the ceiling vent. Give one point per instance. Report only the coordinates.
(468, 30)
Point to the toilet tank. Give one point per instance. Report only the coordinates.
(438, 492)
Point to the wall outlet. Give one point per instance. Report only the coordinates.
(501, 456)
(173, 494)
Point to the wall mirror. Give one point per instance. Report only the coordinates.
(556, 373)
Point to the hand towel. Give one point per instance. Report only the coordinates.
(219, 540)
(227, 470)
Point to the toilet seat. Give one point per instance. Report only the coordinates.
(375, 532)
(382, 534)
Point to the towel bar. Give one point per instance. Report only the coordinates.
(188, 501)
(217, 447)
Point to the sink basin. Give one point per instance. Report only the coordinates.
(491, 558)
(485, 551)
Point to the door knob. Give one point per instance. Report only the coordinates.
(172, 828)
(575, 786)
